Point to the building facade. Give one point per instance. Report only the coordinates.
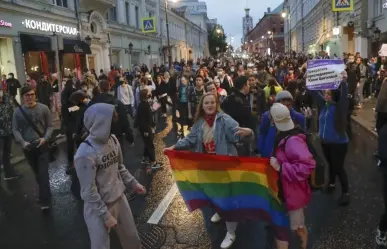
(267, 37)
(27, 29)
(312, 26)
(187, 39)
(377, 22)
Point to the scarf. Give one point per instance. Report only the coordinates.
(210, 119)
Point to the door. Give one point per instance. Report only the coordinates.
(91, 62)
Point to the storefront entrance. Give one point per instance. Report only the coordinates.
(7, 57)
(91, 59)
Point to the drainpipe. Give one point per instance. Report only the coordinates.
(76, 5)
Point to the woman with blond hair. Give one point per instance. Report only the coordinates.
(214, 132)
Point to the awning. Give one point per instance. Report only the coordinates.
(35, 43)
(75, 47)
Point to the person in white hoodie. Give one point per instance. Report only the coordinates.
(104, 179)
(126, 96)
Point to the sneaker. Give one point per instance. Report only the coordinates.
(14, 177)
(344, 199)
(228, 240)
(215, 218)
(331, 188)
(60, 135)
(380, 238)
(44, 207)
(156, 166)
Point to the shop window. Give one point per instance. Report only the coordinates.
(112, 14)
(33, 63)
(61, 3)
(137, 17)
(127, 12)
(68, 64)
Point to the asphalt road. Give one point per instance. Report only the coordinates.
(22, 225)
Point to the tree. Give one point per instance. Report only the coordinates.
(217, 38)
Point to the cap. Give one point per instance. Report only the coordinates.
(283, 95)
(281, 117)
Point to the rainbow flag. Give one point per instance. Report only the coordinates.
(239, 188)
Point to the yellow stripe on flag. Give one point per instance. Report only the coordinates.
(197, 176)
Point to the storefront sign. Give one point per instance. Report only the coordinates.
(324, 74)
(78, 49)
(5, 24)
(49, 27)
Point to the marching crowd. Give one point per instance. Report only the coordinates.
(241, 107)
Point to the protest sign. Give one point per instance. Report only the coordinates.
(324, 74)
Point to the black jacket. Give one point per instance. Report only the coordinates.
(123, 125)
(382, 147)
(144, 119)
(12, 86)
(44, 92)
(238, 107)
(69, 119)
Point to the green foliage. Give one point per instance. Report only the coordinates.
(217, 39)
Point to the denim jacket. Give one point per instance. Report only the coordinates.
(224, 136)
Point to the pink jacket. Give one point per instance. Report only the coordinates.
(297, 164)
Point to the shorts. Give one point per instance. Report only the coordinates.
(297, 219)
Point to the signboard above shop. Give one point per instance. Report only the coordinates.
(49, 27)
(5, 24)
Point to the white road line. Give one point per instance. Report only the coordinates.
(163, 206)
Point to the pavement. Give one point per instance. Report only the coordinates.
(22, 226)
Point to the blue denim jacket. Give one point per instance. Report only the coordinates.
(224, 136)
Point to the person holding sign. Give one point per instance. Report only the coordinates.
(332, 132)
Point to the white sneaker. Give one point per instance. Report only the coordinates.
(215, 218)
(228, 240)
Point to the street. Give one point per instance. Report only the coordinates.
(23, 226)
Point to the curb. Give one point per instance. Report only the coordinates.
(367, 130)
(19, 159)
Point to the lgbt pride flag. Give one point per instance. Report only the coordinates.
(239, 188)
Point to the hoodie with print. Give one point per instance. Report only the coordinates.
(102, 175)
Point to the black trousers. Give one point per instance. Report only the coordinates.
(383, 218)
(149, 147)
(5, 159)
(163, 102)
(183, 111)
(335, 155)
(70, 148)
(38, 159)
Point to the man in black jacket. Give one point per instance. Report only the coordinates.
(238, 107)
(12, 85)
(122, 126)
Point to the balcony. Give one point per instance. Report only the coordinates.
(99, 5)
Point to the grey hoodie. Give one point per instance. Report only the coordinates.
(100, 169)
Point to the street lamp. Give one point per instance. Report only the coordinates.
(283, 14)
(88, 40)
(168, 38)
(129, 52)
(377, 34)
(218, 31)
(269, 32)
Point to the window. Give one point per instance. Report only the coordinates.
(282, 29)
(112, 14)
(378, 7)
(127, 11)
(137, 17)
(61, 3)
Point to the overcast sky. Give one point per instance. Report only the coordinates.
(230, 13)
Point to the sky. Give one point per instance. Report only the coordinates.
(230, 13)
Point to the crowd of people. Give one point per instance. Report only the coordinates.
(230, 106)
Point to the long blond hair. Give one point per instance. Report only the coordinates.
(199, 109)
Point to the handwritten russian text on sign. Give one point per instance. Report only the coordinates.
(324, 74)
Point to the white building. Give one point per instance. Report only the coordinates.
(113, 25)
(188, 40)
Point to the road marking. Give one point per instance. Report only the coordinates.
(163, 206)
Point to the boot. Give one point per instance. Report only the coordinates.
(302, 233)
